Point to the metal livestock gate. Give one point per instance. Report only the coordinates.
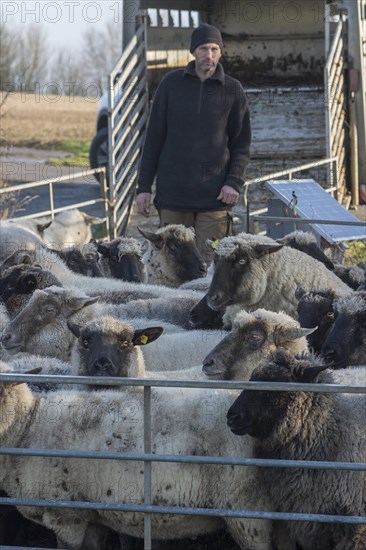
(148, 458)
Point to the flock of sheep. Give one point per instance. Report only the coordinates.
(264, 311)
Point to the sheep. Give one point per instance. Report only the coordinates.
(108, 289)
(172, 257)
(122, 259)
(346, 342)
(46, 365)
(255, 271)
(307, 243)
(352, 275)
(81, 258)
(67, 228)
(307, 426)
(315, 309)
(109, 347)
(41, 328)
(113, 421)
(18, 282)
(14, 238)
(252, 337)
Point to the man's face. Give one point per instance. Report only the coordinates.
(207, 57)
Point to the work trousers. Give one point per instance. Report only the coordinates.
(207, 225)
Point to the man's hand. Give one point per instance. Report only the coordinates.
(228, 195)
(143, 201)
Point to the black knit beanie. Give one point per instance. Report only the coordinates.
(205, 34)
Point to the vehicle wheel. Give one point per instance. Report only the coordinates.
(98, 152)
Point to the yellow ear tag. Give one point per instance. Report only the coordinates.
(144, 339)
(215, 244)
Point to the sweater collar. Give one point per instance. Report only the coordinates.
(218, 74)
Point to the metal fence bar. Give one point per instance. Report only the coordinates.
(168, 383)
(185, 511)
(30, 185)
(184, 459)
(306, 220)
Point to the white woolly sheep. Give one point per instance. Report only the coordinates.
(172, 257)
(308, 426)
(346, 342)
(113, 421)
(16, 238)
(255, 271)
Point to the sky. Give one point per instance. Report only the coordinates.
(62, 20)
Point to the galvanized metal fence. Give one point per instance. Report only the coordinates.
(147, 508)
(336, 104)
(127, 118)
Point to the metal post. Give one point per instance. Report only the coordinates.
(147, 466)
(103, 192)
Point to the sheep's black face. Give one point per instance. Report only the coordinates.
(315, 309)
(104, 354)
(202, 316)
(229, 272)
(185, 257)
(346, 342)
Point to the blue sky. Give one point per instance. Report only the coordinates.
(63, 20)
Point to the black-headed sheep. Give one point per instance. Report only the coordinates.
(315, 309)
(122, 258)
(253, 336)
(254, 271)
(346, 342)
(81, 258)
(308, 426)
(41, 326)
(172, 257)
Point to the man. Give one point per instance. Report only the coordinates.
(197, 144)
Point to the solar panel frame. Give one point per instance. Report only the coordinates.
(307, 191)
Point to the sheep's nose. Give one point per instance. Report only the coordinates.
(233, 419)
(102, 365)
(329, 356)
(6, 337)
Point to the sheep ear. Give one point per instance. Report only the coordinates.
(26, 259)
(147, 335)
(287, 333)
(300, 292)
(308, 374)
(74, 327)
(36, 370)
(90, 220)
(104, 249)
(84, 301)
(156, 240)
(261, 249)
(29, 282)
(41, 227)
(144, 246)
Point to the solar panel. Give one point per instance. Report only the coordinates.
(314, 202)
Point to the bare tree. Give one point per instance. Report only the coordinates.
(68, 73)
(31, 61)
(8, 49)
(100, 51)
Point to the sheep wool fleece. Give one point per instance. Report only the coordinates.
(198, 140)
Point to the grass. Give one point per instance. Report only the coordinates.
(79, 153)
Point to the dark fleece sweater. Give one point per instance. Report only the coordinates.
(197, 140)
